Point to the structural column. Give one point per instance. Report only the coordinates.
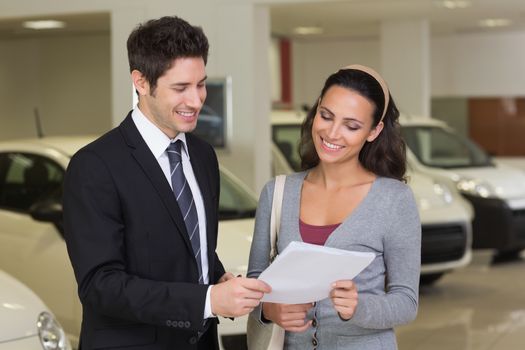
(241, 50)
(122, 23)
(405, 64)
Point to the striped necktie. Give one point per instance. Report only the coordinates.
(182, 192)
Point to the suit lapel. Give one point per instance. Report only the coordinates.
(151, 168)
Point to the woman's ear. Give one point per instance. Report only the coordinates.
(374, 133)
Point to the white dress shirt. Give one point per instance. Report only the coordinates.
(158, 142)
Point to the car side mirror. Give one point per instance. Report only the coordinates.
(48, 211)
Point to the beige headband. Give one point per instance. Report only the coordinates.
(379, 79)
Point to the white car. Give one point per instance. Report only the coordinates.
(496, 191)
(31, 243)
(27, 324)
(445, 216)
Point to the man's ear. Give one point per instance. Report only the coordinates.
(374, 133)
(140, 82)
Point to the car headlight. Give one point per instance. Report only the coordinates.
(443, 191)
(475, 188)
(51, 334)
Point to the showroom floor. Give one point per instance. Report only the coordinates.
(480, 307)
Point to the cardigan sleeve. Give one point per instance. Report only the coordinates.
(260, 248)
(402, 255)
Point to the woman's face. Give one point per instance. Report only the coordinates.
(342, 125)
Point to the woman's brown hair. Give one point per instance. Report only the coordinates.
(386, 155)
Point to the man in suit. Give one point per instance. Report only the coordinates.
(140, 210)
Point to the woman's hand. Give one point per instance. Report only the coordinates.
(290, 317)
(344, 298)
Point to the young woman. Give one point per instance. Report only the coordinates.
(351, 195)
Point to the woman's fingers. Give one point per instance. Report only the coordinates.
(299, 328)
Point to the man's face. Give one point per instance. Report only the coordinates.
(174, 105)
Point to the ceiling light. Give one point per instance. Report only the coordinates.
(46, 24)
(308, 30)
(495, 22)
(453, 4)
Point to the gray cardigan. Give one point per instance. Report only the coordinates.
(386, 223)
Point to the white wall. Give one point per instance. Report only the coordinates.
(239, 35)
(490, 64)
(238, 32)
(483, 64)
(314, 60)
(67, 79)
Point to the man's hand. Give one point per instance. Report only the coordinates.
(290, 317)
(344, 298)
(237, 296)
(227, 276)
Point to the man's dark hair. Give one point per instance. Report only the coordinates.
(154, 45)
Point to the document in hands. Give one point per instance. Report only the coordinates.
(304, 273)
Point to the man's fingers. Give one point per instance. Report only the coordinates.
(227, 276)
(249, 294)
(257, 285)
(252, 303)
(247, 310)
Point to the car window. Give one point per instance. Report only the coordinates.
(26, 179)
(438, 147)
(235, 202)
(287, 137)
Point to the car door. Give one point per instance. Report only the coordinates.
(32, 251)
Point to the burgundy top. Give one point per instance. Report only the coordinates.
(315, 234)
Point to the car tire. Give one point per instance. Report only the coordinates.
(429, 279)
(503, 256)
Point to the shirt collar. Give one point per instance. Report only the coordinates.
(156, 140)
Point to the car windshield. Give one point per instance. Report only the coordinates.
(441, 148)
(235, 202)
(286, 137)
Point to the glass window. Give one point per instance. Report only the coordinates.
(287, 138)
(215, 114)
(235, 202)
(27, 178)
(438, 147)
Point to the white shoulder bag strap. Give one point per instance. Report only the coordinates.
(275, 218)
(277, 338)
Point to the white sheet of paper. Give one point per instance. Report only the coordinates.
(304, 273)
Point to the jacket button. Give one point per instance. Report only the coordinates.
(187, 324)
(168, 323)
(193, 340)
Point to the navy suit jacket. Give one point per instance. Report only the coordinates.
(136, 273)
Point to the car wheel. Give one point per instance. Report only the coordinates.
(503, 256)
(429, 279)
